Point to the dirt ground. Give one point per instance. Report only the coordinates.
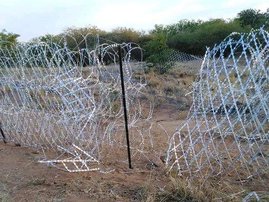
(24, 179)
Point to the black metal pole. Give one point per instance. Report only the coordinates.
(124, 108)
(3, 134)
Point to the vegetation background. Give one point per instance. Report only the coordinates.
(186, 36)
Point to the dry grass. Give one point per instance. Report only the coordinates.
(170, 89)
(180, 189)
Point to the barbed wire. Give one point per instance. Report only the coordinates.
(226, 132)
(64, 99)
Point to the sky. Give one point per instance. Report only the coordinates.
(34, 18)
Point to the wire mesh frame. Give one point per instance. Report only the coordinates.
(226, 131)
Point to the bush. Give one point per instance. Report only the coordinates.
(8, 39)
(207, 34)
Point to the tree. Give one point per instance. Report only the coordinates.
(123, 34)
(194, 39)
(8, 39)
(80, 38)
(157, 51)
(253, 18)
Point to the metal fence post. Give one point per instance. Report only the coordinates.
(124, 108)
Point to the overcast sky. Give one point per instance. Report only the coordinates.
(33, 18)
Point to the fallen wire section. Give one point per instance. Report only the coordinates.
(226, 131)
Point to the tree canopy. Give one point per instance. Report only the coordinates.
(189, 36)
(8, 39)
(253, 18)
